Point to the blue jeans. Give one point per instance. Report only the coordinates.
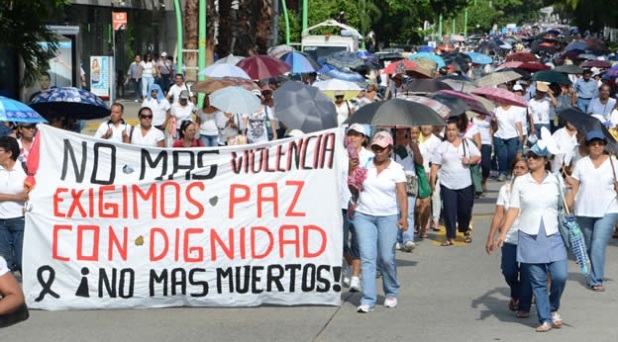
(408, 235)
(583, 104)
(457, 209)
(12, 241)
(350, 243)
(377, 236)
(137, 88)
(597, 231)
(518, 281)
(210, 140)
(547, 303)
(505, 150)
(147, 81)
(485, 160)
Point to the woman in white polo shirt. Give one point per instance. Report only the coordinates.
(145, 133)
(10, 291)
(452, 160)
(506, 139)
(596, 208)
(535, 200)
(376, 220)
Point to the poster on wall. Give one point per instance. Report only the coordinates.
(100, 77)
(59, 72)
(114, 226)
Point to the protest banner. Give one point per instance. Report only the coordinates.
(122, 226)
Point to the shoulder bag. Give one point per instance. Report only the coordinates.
(475, 171)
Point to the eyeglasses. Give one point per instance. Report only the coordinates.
(146, 116)
(533, 156)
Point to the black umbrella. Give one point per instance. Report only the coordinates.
(304, 107)
(586, 123)
(396, 112)
(551, 76)
(458, 59)
(425, 86)
(522, 72)
(460, 78)
(569, 69)
(455, 104)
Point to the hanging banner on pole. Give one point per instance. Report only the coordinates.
(101, 76)
(123, 226)
(119, 20)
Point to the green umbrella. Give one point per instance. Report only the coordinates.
(569, 69)
(551, 76)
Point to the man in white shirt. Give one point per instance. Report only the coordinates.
(603, 104)
(541, 107)
(114, 129)
(174, 91)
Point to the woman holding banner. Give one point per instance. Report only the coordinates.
(376, 220)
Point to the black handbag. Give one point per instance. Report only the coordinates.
(19, 315)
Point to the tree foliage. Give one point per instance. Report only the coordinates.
(590, 15)
(23, 26)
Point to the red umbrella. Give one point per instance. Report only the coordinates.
(532, 67)
(521, 57)
(399, 67)
(501, 96)
(475, 105)
(511, 64)
(596, 64)
(263, 67)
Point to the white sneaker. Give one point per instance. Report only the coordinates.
(398, 247)
(409, 246)
(390, 302)
(364, 308)
(354, 284)
(347, 274)
(501, 177)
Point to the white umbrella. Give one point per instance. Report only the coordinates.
(224, 70)
(235, 100)
(229, 59)
(337, 84)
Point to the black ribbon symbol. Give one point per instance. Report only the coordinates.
(46, 284)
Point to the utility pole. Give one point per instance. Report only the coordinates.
(178, 11)
(201, 47)
(287, 22)
(440, 28)
(305, 14)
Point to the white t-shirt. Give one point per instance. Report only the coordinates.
(116, 130)
(159, 110)
(504, 200)
(566, 144)
(181, 113)
(256, 127)
(484, 129)
(12, 183)
(364, 157)
(226, 131)
(596, 196)
(428, 147)
(541, 110)
(453, 174)
(175, 90)
(146, 68)
(151, 138)
(507, 122)
(379, 195)
(343, 111)
(4, 269)
(208, 124)
(596, 107)
(523, 114)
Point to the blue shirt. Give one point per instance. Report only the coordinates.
(586, 90)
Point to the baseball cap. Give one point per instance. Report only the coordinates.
(518, 87)
(595, 135)
(184, 95)
(382, 139)
(339, 93)
(542, 87)
(358, 128)
(163, 54)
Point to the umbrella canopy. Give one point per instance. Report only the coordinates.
(522, 72)
(613, 71)
(576, 45)
(418, 72)
(304, 107)
(336, 84)
(299, 62)
(426, 63)
(459, 60)
(442, 109)
(213, 84)
(224, 70)
(479, 58)
(521, 57)
(587, 56)
(510, 64)
(487, 104)
(398, 67)
(496, 78)
(473, 103)
(533, 66)
(229, 59)
(501, 96)
(425, 86)
(569, 69)
(551, 76)
(396, 112)
(262, 67)
(586, 123)
(279, 50)
(455, 77)
(15, 111)
(388, 56)
(490, 48)
(69, 102)
(235, 100)
(345, 75)
(596, 64)
(464, 86)
(345, 59)
(439, 60)
(456, 105)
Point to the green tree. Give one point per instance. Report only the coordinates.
(23, 26)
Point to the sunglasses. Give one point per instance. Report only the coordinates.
(146, 116)
(533, 156)
(377, 149)
(29, 127)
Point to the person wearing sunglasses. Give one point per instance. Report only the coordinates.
(377, 222)
(25, 133)
(535, 200)
(594, 197)
(144, 133)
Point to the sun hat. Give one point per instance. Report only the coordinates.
(358, 128)
(382, 139)
(539, 151)
(518, 87)
(542, 87)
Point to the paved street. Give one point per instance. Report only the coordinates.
(447, 294)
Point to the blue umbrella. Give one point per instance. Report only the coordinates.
(69, 102)
(425, 48)
(439, 60)
(345, 60)
(344, 75)
(299, 62)
(365, 54)
(576, 46)
(577, 243)
(479, 58)
(5, 130)
(15, 111)
(326, 68)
